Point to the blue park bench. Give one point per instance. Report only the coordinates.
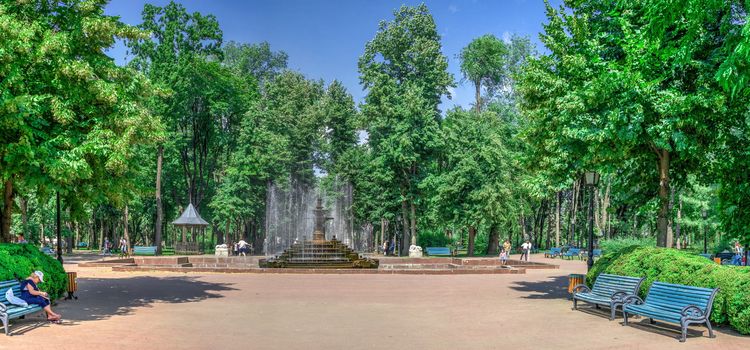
(675, 303)
(438, 251)
(9, 311)
(609, 290)
(572, 253)
(143, 250)
(708, 256)
(82, 245)
(553, 252)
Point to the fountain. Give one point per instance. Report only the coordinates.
(319, 252)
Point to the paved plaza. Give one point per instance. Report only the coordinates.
(161, 310)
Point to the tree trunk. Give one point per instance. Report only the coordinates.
(605, 212)
(478, 95)
(413, 224)
(159, 209)
(662, 220)
(24, 204)
(670, 221)
(678, 237)
(405, 228)
(494, 241)
(7, 211)
(472, 236)
(557, 219)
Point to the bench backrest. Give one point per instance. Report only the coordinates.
(555, 250)
(139, 249)
(438, 250)
(606, 284)
(597, 252)
(572, 251)
(4, 285)
(677, 296)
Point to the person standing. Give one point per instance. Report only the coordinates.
(242, 245)
(525, 250)
(385, 248)
(737, 259)
(507, 247)
(105, 246)
(503, 256)
(124, 247)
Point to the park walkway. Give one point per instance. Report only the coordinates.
(119, 310)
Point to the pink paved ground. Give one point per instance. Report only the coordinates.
(121, 310)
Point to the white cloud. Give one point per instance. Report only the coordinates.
(453, 8)
(506, 36)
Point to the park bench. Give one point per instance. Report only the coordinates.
(438, 251)
(585, 256)
(47, 250)
(675, 303)
(142, 250)
(707, 256)
(571, 253)
(167, 251)
(609, 290)
(553, 252)
(9, 311)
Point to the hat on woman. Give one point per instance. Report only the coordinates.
(40, 274)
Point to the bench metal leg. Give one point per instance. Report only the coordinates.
(5, 324)
(710, 329)
(575, 303)
(597, 306)
(625, 317)
(650, 320)
(612, 311)
(683, 336)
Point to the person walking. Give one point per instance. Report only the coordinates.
(385, 248)
(105, 246)
(242, 245)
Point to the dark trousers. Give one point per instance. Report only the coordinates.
(524, 253)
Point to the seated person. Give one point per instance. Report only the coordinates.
(32, 295)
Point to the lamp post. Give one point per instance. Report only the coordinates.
(591, 178)
(703, 226)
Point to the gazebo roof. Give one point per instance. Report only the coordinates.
(190, 217)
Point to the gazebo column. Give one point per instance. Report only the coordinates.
(184, 228)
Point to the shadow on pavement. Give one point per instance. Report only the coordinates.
(106, 297)
(554, 288)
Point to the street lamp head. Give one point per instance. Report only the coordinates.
(591, 178)
(703, 213)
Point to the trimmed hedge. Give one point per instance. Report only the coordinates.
(732, 303)
(18, 261)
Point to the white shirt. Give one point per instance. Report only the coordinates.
(526, 246)
(242, 243)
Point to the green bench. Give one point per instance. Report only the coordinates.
(140, 250)
(674, 303)
(9, 311)
(167, 251)
(438, 251)
(609, 290)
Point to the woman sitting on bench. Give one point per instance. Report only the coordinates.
(32, 295)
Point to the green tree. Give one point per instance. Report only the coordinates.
(483, 62)
(405, 75)
(70, 116)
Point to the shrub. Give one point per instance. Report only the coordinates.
(433, 239)
(18, 261)
(732, 303)
(616, 244)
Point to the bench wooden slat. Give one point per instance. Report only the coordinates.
(605, 287)
(666, 302)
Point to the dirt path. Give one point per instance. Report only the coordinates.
(265, 311)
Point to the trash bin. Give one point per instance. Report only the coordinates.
(574, 280)
(717, 260)
(72, 285)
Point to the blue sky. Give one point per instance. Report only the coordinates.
(324, 39)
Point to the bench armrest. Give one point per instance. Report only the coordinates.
(620, 296)
(3, 308)
(692, 312)
(632, 299)
(585, 288)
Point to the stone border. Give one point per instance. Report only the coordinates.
(459, 271)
